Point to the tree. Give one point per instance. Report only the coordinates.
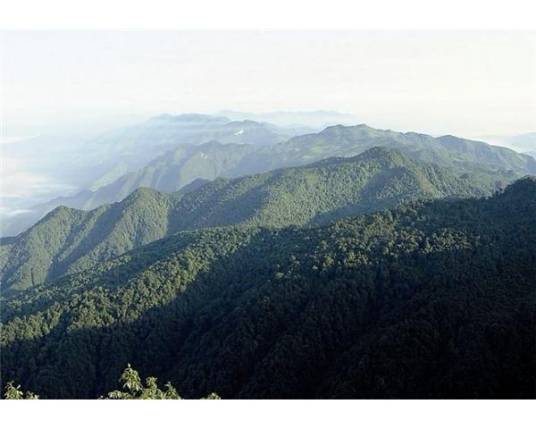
(14, 392)
(133, 388)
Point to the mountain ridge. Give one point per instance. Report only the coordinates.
(70, 239)
(178, 167)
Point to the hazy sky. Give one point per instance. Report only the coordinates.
(469, 83)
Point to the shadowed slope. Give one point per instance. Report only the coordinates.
(431, 300)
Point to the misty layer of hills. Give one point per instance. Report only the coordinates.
(263, 261)
(168, 152)
(85, 163)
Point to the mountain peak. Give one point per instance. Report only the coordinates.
(140, 193)
(59, 212)
(346, 128)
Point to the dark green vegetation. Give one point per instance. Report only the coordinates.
(430, 300)
(69, 240)
(133, 388)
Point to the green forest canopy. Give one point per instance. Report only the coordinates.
(429, 300)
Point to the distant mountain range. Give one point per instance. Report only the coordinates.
(98, 161)
(79, 162)
(135, 146)
(194, 158)
(316, 120)
(451, 151)
(69, 240)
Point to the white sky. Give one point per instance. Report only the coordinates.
(464, 83)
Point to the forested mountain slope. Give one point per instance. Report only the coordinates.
(320, 192)
(166, 173)
(68, 240)
(430, 300)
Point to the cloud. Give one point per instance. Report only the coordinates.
(20, 188)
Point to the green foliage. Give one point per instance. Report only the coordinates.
(430, 300)
(132, 389)
(13, 392)
(69, 240)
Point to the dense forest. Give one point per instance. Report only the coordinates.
(432, 299)
(69, 240)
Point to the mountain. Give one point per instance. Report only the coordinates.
(450, 151)
(132, 147)
(430, 300)
(69, 240)
(197, 129)
(111, 162)
(211, 159)
(45, 168)
(94, 161)
(532, 153)
(167, 173)
(314, 120)
(177, 167)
